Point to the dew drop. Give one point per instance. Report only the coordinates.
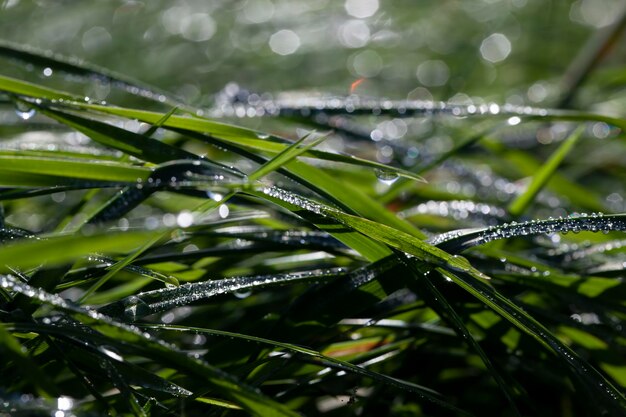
(242, 293)
(386, 176)
(24, 111)
(135, 307)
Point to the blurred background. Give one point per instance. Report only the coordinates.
(513, 51)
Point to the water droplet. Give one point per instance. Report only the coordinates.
(262, 135)
(24, 111)
(242, 293)
(135, 307)
(386, 176)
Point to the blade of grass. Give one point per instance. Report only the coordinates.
(472, 280)
(60, 249)
(75, 67)
(247, 397)
(423, 392)
(286, 155)
(520, 204)
(12, 350)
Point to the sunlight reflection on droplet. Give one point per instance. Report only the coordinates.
(64, 403)
(197, 27)
(512, 121)
(495, 47)
(366, 63)
(433, 73)
(361, 8)
(184, 219)
(258, 11)
(354, 34)
(284, 42)
(223, 211)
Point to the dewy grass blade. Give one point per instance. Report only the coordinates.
(612, 399)
(343, 365)
(272, 165)
(75, 67)
(472, 280)
(460, 240)
(134, 144)
(137, 306)
(448, 313)
(246, 138)
(227, 385)
(13, 351)
(102, 171)
(286, 155)
(368, 248)
(517, 206)
(118, 266)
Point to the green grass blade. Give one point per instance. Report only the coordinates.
(72, 66)
(75, 169)
(247, 397)
(139, 146)
(285, 156)
(15, 86)
(243, 137)
(12, 350)
(518, 206)
(423, 392)
(118, 266)
(58, 250)
(458, 241)
(447, 311)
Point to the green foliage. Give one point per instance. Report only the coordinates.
(162, 259)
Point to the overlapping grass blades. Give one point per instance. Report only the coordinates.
(324, 254)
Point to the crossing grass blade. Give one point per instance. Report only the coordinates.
(155, 267)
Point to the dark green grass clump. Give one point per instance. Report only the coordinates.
(155, 261)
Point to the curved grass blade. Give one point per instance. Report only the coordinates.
(423, 392)
(309, 210)
(460, 240)
(133, 144)
(227, 385)
(76, 67)
(137, 306)
(86, 358)
(118, 266)
(368, 106)
(517, 206)
(472, 280)
(249, 139)
(445, 310)
(155, 151)
(286, 155)
(608, 395)
(12, 350)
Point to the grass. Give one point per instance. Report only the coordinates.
(160, 258)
